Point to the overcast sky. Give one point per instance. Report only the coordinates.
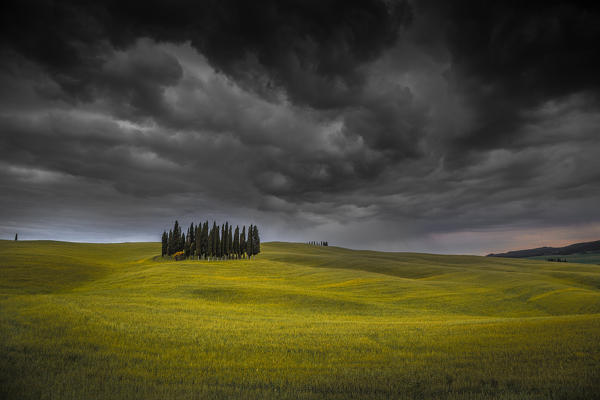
(449, 127)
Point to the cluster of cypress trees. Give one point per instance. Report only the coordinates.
(318, 243)
(216, 243)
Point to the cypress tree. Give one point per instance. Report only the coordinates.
(214, 240)
(236, 242)
(187, 246)
(191, 237)
(199, 241)
(218, 241)
(192, 240)
(165, 244)
(170, 243)
(249, 245)
(16, 237)
(226, 241)
(205, 239)
(223, 240)
(255, 241)
(243, 242)
(209, 248)
(176, 235)
(230, 241)
(175, 242)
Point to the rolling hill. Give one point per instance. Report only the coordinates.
(576, 248)
(117, 321)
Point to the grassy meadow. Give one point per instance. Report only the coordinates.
(114, 321)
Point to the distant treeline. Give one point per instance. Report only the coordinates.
(556, 259)
(216, 243)
(318, 243)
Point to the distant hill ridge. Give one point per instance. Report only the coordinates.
(585, 247)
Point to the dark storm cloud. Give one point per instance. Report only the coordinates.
(303, 46)
(311, 52)
(510, 57)
(312, 49)
(390, 124)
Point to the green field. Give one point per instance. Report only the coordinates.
(114, 321)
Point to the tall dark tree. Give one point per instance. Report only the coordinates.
(204, 244)
(236, 242)
(187, 246)
(214, 240)
(218, 244)
(175, 242)
(243, 241)
(197, 240)
(226, 240)
(192, 240)
(193, 231)
(165, 244)
(176, 235)
(249, 245)
(255, 241)
(230, 242)
(209, 248)
(16, 237)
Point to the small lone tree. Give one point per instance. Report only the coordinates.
(16, 236)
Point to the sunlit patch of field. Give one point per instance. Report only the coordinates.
(84, 321)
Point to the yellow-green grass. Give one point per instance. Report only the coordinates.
(86, 321)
